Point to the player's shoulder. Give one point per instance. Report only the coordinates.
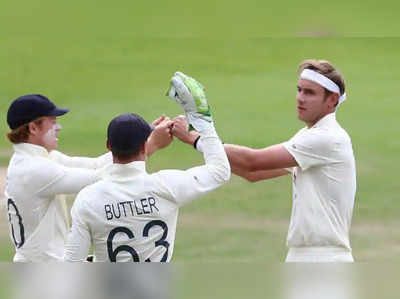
(333, 135)
(164, 175)
(91, 192)
(329, 139)
(88, 197)
(315, 135)
(157, 176)
(317, 140)
(161, 181)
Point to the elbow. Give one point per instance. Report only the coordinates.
(250, 177)
(252, 163)
(253, 166)
(225, 174)
(228, 175)
(222, 173)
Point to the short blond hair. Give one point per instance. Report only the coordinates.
(325, 68)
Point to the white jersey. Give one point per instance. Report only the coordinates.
(131, 215)
(324, 186)
(37, 217)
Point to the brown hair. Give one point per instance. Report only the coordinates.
(21, 134)
(325, 68)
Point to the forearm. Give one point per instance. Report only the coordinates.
(255, 176)
(215, 156)
(78, 241)
(150, 147)
(77, 247)
(274, 157)
(160, 138)
(70, 180)
(240, 159)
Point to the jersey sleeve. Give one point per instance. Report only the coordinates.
(52, 178)
(81, 162)
(79, 240)
(185, 185)
(311, 148)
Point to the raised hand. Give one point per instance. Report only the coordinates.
(180, 130)
(191, 97)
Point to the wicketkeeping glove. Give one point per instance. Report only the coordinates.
(190, 95)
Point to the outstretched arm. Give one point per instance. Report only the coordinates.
(251, 160)
(251, 164)
(183, 186)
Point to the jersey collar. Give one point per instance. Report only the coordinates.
(31, 149)
(326, 121)
(125, 171)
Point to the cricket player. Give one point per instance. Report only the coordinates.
(131, 215)
(37, 174)
(321, 161)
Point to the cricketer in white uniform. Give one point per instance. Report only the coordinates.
(131, 215)
(321, 160)
(37, 176)
(324, 186)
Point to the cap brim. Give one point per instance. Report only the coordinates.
(57, 111)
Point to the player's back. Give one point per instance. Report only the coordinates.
(129, 215)
(36, 219)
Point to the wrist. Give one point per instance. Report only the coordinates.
(195, 142)
(150, 148)
(193, 138)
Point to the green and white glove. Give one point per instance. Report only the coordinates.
(190, 95)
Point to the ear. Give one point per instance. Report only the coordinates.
(33, 128)
(108, 146)
(333, 100)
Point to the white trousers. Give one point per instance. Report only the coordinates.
(319, 255)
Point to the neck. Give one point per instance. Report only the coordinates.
(36, 142)
(317, 119)
(126, 160)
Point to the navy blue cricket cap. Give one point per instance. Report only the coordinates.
(127, 132)
(30, 107)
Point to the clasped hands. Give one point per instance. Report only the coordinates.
(165, 129)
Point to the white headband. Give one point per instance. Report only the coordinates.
(323, 81)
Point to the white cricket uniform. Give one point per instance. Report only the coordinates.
(131, 215)
(38, 222)
(324, 187)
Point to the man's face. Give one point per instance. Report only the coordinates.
(47, 134)
(312, 102)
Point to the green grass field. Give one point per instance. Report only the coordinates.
(102, 58)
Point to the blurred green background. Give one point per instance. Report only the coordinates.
(102, 58)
